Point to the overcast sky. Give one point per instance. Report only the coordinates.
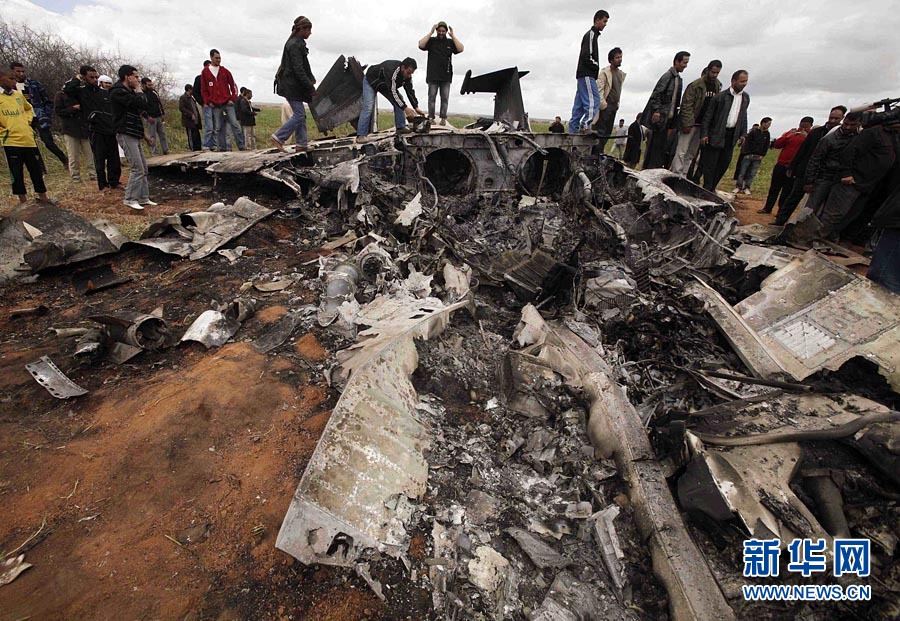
(803, 57)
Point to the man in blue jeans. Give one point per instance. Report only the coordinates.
(295, 82)
(387, 78)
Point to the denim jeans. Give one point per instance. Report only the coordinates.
(222, 123)
(885, 267)
(433, 88)
(208, 136)
(138, 188)
(747, 171)
(364, 126)
(295, 125)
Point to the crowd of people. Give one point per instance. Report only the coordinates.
(839, 169)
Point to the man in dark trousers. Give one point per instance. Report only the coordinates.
(633, 144)
(439, 71)
(190, 118)
(789, 142)
(78, 147)
(754, 150)
(609, 84)
(156, 127)
(295, 82)
(388, 78)
(724, 125)
(96, 115)
(209, 139)
(662, 110)
(35, 94)
(865, 162)
(797, 168)
(823, 169)
(587, 95)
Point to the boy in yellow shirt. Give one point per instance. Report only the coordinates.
(17, 138)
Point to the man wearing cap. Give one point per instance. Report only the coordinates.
(105, 82)
(295, 82)
(387, 78)
(439, 72)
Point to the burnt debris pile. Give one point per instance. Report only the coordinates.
(567, 389)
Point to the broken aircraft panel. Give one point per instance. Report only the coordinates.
(811, 315)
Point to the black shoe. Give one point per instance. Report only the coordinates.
(764, 211)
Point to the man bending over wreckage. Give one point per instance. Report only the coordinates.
(387, 78)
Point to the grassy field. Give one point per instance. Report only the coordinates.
(269, 119)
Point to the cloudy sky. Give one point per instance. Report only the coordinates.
(803, 57)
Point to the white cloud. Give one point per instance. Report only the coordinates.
(802, 57)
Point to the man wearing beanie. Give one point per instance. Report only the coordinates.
(387, 78)
(295, 82)
(439, 73)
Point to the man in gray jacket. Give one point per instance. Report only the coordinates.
(662, 110)
(296, 83)
(724, 125)
(697, 97)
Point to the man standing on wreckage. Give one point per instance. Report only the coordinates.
(295, 82)
(587, 94)
(387, 78)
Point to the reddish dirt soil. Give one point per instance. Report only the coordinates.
(162, 490)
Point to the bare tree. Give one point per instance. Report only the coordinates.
(52, 61)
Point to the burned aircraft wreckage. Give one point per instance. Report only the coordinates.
(581, 386)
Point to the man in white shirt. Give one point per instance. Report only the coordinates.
(621, 139)
(724, 125)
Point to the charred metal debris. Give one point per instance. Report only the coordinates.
(567, 389)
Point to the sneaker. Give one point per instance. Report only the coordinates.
(149, 203)
(442, 122)
(278, 144)
(747, 191)
(134, 205)
(764, 211)
(303, 148)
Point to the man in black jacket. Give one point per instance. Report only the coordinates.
(387, 78)
(247, 117)
(823, 169)
(587, 95)
(96, 115)
(439, 72)
(755, 148)
(557, 127)
(865, 162)
(797, 168)
(156, 127)
(128, 103)
(633, 144)
(662, 110)
(295, 82)
(209, 138)
(724, 125)
(77, 146)
(190, 117)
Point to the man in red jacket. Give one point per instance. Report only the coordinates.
(220, 94)
(789, 143)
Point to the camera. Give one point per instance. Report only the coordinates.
(889, 115)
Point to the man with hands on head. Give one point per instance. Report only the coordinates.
(439, 72)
